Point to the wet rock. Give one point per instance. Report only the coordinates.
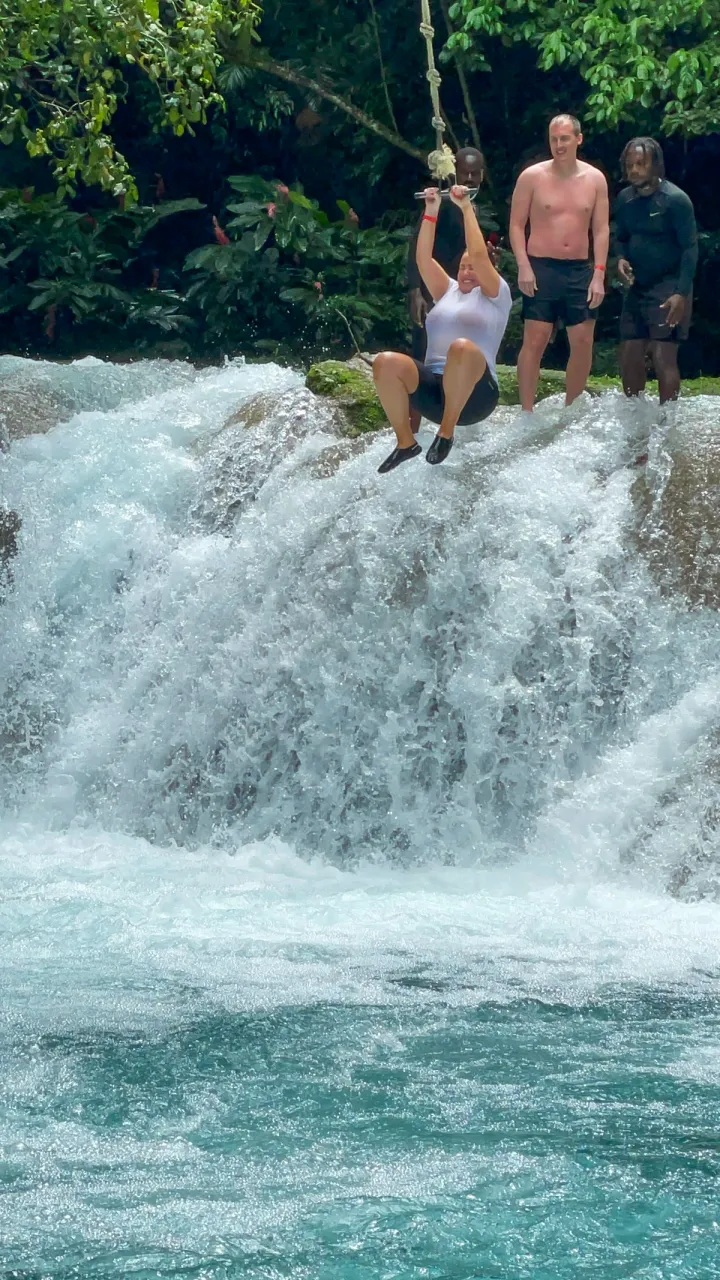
(680, 535)
(251, 414)
(680, 840)
(264, 433)
(335, 456)
(10, 525)
(28, 410)
(351, 387)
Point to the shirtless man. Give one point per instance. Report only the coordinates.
(561, 199)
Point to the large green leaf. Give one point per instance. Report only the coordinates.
(150, 217)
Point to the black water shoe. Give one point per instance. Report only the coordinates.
(439, 449)
(397, 456)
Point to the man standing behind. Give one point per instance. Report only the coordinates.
(656, 242)
(561, 199)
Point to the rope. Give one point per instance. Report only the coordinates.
(441, 161)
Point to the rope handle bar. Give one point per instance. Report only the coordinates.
(445, 195)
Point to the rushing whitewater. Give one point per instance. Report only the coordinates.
(358, 848)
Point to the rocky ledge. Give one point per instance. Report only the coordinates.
(351, 387)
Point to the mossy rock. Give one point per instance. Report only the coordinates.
(353, 390)
(700, 387)
(550, 383)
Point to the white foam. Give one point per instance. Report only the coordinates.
(113, 931)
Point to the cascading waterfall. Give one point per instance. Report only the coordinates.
(358, 839)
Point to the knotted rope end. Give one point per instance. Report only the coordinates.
(441, 163)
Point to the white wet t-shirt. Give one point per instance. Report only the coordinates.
(471, 315)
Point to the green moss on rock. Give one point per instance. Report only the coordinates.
(701, 387)
(550, 383)
(353, 390)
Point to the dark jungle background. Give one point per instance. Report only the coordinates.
(265, 209)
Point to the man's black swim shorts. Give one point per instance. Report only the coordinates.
(643, 317)
(562, 290)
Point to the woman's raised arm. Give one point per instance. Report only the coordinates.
(436, 280)
(476, 246)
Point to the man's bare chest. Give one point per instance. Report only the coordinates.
(555, 197)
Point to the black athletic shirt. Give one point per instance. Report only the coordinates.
(448, 249)
(658, 236)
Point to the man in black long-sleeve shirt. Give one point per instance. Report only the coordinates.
(656, 242)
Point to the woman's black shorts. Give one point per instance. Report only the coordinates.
(429, 397)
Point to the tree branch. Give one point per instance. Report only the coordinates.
(289, 74)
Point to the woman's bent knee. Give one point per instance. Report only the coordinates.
(389, 366)
(383, 363)
(464, 347)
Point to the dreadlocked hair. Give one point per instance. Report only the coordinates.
(651, 148)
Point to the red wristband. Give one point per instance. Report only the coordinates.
(599, 266)
(428, 217)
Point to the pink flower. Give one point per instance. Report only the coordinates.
(317, 284)
(271, 210)
(282, 190)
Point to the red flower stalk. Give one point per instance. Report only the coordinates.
(50, 322)
(219, 233)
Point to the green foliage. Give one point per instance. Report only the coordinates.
(65, 267)
(632, 56)
(302, 276)
(340, 281)
(370, 56)
(63, 68)
(259, 105)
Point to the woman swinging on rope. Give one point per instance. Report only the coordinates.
(457, 381)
